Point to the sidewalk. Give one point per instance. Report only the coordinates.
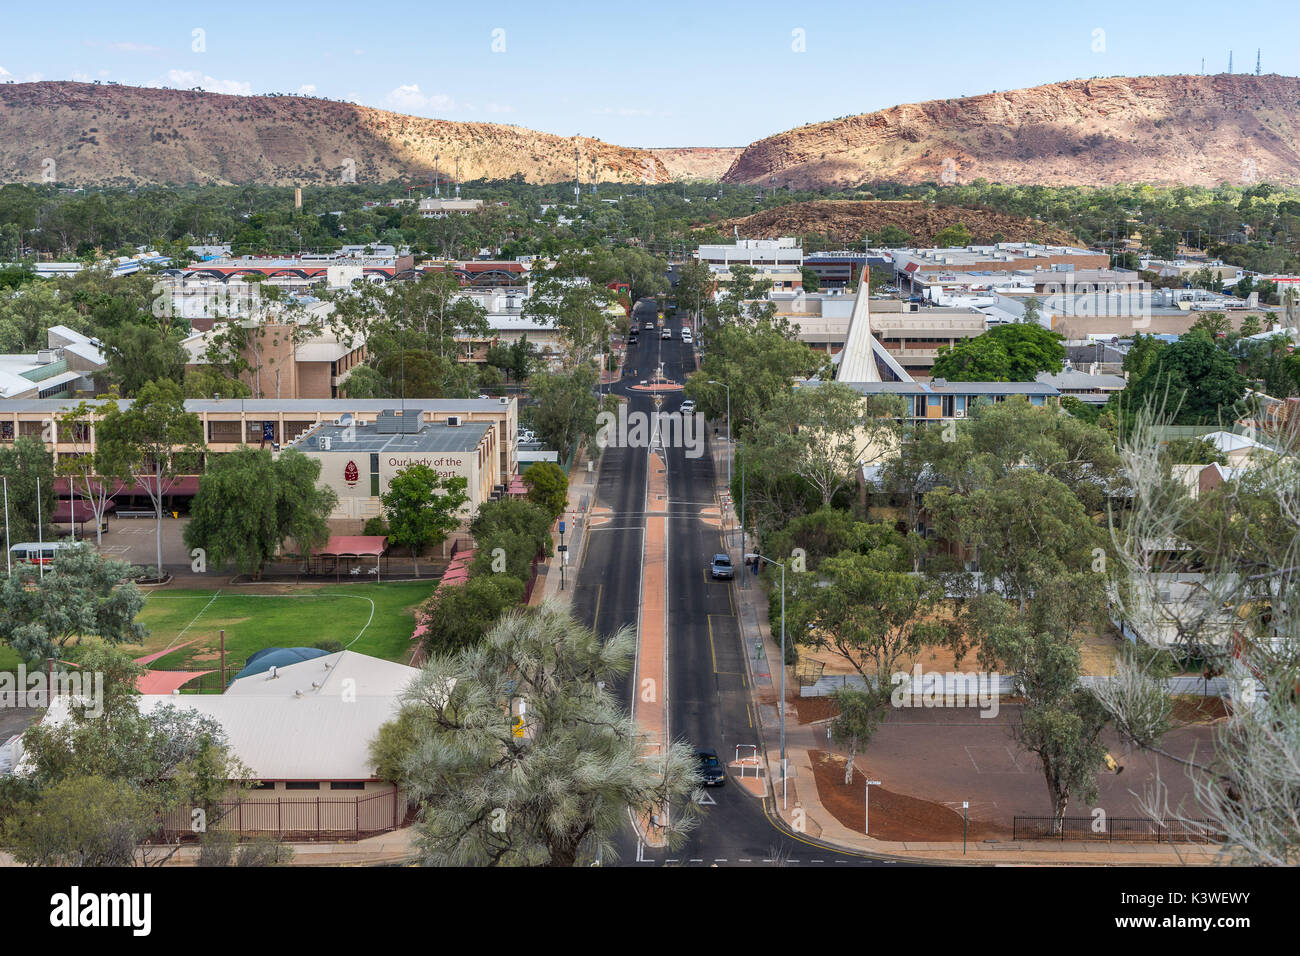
(582, 498)
(804, 813)
(394, 848)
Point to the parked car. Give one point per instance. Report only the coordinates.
(688, 407)
(686, 334)
(710, 768)
(722, 568)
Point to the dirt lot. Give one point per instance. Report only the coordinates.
(893, 816)
(930, 760)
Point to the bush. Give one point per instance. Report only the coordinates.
(375, 526)
(548, 487)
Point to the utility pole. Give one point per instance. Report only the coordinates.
(1257, 61)
(1229, 62)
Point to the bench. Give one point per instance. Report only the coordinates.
(137, 514)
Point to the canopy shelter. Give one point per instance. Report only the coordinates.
(457, 573)
(165, 682)
(348, 548)
(516, 488)
(73, 511)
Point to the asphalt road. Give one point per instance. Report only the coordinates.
(708, 690)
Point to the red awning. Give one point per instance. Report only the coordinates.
(354, 546)
(516, 488)
(180, 485)
(71, 510)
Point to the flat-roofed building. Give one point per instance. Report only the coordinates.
(275, 423)
(359, 459)
(1002, 257)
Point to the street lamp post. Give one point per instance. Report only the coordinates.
(782, 662)
(866, 809)
(728, 388)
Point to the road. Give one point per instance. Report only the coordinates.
(708, 691)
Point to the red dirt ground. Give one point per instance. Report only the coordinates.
(894, 816)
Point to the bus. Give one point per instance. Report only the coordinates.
(37, 552)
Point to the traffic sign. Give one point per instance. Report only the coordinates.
(561, 526)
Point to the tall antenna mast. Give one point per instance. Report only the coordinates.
(577, 176)
(457, 177)
(436, 190)
(1229, 61)
(1257, 61)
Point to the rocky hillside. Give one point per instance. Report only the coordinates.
(111, 135)
(1198, 130)
(848, 221)
(698, 162)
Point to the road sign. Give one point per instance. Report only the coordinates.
(561, 526)
(518, 730)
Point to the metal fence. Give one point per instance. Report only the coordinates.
(311, 817)
(1114, 830)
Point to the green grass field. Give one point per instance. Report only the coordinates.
(375, 619)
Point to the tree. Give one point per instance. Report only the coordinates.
(952, 236)
(82, 821)
(1032, 310)
(811, 280)
(759, 362)
(460, 616)
(517, 516)
(892, 237)
(869, 609)
(695, 285)
(567, 406)
(855, 724)
(1060, 722)
(1030, 349)
(24, 465)
(232, 526)
(366, 382)
(150, 443)
(548, 487)
(825, 434)
(209, 381)
(422, 508)
(82, 595)
(1239, 541)
(138, 354)
(171, 757)
(1192, 375)
(1214, 324)
(561, 792)
(981, 359)
(564, 298)
(29, 311)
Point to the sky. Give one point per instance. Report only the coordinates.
(641, 74)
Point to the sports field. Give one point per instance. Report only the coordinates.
(375, 619)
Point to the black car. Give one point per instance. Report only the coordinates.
(710, 768)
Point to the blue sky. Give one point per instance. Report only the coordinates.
(644, 74)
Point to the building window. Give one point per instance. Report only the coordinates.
(262, 785)
(348, 785)
(301, 785)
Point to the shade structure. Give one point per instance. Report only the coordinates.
(72, 511)
(185, 485)
(516, 488)
(354, 546)
(164, 682)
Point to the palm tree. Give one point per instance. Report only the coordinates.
(519, 754)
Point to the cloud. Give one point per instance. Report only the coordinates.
(186, 79)
(307, 89)
(408, 98)
(4, 72)
(499, 108)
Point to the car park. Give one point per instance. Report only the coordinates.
(722, 569)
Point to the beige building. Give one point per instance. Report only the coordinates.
(229, 423)
(359, 459)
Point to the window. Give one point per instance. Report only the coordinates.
(263, 785)
(301, 785)
(348, 785)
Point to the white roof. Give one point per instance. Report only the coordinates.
(1227, 441)
(345, 672)
(324, 734)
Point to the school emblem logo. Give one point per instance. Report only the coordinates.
(350, 474)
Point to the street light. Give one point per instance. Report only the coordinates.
(728, 388)
(782, 711)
